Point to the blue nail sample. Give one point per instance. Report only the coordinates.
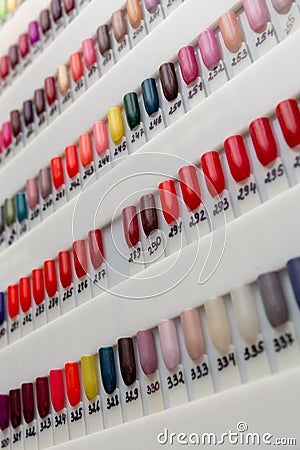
(108, 369)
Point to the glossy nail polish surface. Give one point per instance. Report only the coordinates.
(263, 140)
(169, 81)
(63, 79)
(89, 53)
(134, 12)
(89, 376)
(148, 214)
(23, 45)
(71, 160)
(69, 5)
(28, 113)
(2, 316)
(45, 183)
(273, 298)
(50, 89)
(15, 408)
(73, 383)
(50, 277)
(28, 402)
(45, 22)
(289, 118)
(80, 258)
(21, 205)
(57, 389)
(131, 226)
(56, 9)
(103, 39)
(57, 172)
(76, 66)
(293, 268)
(151, 5)
(119, 25)
(147, 351)
(190, 188)
(85, 149)
(218, 325)
(213, 172)
(282, 6)
(38, 285)
(237, 158)
(25, 294)
(257, 14)
(65, 268)
(32, 193)
(127, 360)
(39, 101)
(96, 248)
(246, 313)
(4, 411)
(108, 369)
(169, 200)
(188, 64)
(169, 343)
(192, 332)
(231, 31)
(33, 32)
(132, 110)
(13, 300)
(100, 137)
(10, 211)
(4, 67)
(209, 48)
(42, 396)
(13, 54)
(15, 120)
(116, 125)
(7, 134)
(150, 96)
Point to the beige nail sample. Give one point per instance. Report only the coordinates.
(246, 313)
(231, 31)
(192, 332)
(218, 324)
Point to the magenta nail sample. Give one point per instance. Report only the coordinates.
(209, 48)
(257, 14)
(169, 343)
(7, 134)
(33, 32)
(4, 411)
(188, 64)
(147, 351)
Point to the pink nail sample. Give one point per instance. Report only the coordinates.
(7, 134)
(100, 137)
(257, 14)
(282, 6)
(89, 53)
(209, 48)
(188, 64)
(32, 193)
(169, 343)
(147, 351)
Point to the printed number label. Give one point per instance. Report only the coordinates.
(40, 310)
(27, 319)
(92, 71)
(121, 148)
(170, 3)
(112, 402)
(79, 86)
(221, 206)
(215, 72)
(199, 372)
(99, 276)
(17, 437)
(197, 217)
(246, 190)
(107, 59)
(76, 415)
(2, 332)
(68, 294)
(74, 184)
(175, 230)
(53, 303)
(289, 25)
(45, 425)
(136, 254)
(137, 135)
(47, 204)
(5, 443)
(239, 57)
(154, 16)
(30, 432)
(59, 195)
(153, 387)
(253, 351)
(154, 246)
(103, 161)
(174, 107)
(94, 408)
(132, 395)
(155, 122)
(82, 286)
(263, 37)
(122, 46)
(283, 342)
(273, 174)
(195, 90)
(14, 326)
(138, 31)
(175, 380)
(297, 162)
(225, 361)
(60, 420)
(89, 172)
(67, 98)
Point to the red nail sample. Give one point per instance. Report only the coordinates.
(76, 66)
(73, 383)
(4, 67)
(57, 172)
(50, 277)
(13, 300)
(38, 285)
(189, 186)
(42, 396)
(237, 158)
(57, 389)
(96, 248)
(50, 89)
(80, 258)
(23, 45)
(25, 294)
(131, 226)
(65, 268)
(71, 160)
(212, 169)
(263, 140)
(289, 118)
(169, 200)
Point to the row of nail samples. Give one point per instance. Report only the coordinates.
(161, 102)
(249, 171)
(238, 338)
(7, 9)
(127, 28)
(252, 169)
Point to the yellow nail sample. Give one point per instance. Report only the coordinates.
(116, 125)
(89, 376)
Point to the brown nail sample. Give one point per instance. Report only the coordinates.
(39, 101)
(168, 80)
(15, 120)
(148, 214)
(103, 39)
(44, 20)
(127, 360)
(119, 25)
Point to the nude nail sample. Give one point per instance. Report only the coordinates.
(246, 313)
(147, 351)
(119, 25)
(273, 298)
(218, 324)
(63, 79)
(45, 22)
(192, 332)
(231, 31)
(103, 38)
(134, 12)
(45, 182)
(32, 193)
(169, 343)
(282, 6)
